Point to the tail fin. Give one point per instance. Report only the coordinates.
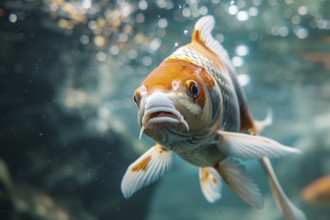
(289, 210)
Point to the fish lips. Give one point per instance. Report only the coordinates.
(159, 111)
(161, 115)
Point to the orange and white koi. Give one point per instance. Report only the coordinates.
(193, 105)
(318, 192)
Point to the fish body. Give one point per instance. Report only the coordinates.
(193, 105)
(318, 192)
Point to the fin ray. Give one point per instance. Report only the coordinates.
(240, 182)
(146, 169)
(202, 34)
(210, 182)
(249, 147)
(289, 210)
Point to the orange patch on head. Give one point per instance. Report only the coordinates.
(207, 78)
(142, 165)
(179, 70)
(214, 180)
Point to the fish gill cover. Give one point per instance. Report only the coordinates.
(68, 126)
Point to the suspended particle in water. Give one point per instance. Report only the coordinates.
(87, 3)
(243, 79)
(253, 11)
(132, 54)
(143, 5)
(186, 12)
(147, 60)
(84, 39)
(99, 41)
(162, 23)
(185, 32)
(155, 44)
(203, 10)
(92, 25)
(300, 32)
(295, 19)
(237, 61)
(176, 44)
(283, 31)
(140, 18)
(101, 56)
(232, 9)
(303, 10)
(12, 18)
(123, 37)
(242, 50)
(242, 16)
(114, 50)
(232, 2)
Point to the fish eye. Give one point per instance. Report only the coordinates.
(193, 88)
(137, 96)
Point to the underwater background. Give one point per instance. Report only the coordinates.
(68, 123)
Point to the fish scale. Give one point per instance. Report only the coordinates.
(230, 117)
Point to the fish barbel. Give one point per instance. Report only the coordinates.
(193, 105)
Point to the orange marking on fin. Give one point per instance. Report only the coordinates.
(214, 180)
(196, 36)
(220, 171)
(205, 175)
(142, 165)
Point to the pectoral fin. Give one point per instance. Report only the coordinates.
(210, 184)
(234, 174)
(248, 147)
(147, 169)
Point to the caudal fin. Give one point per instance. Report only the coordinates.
(289, 210)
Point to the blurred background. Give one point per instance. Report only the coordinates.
(68, 126)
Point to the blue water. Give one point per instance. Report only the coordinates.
(69, 129)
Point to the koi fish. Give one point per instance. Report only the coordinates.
(318, 192)
(193, 105)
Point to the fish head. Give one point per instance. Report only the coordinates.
(173, 102)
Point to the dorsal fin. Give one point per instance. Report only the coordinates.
(202, 35)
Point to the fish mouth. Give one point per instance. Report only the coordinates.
(159, 115)
(159, 110)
